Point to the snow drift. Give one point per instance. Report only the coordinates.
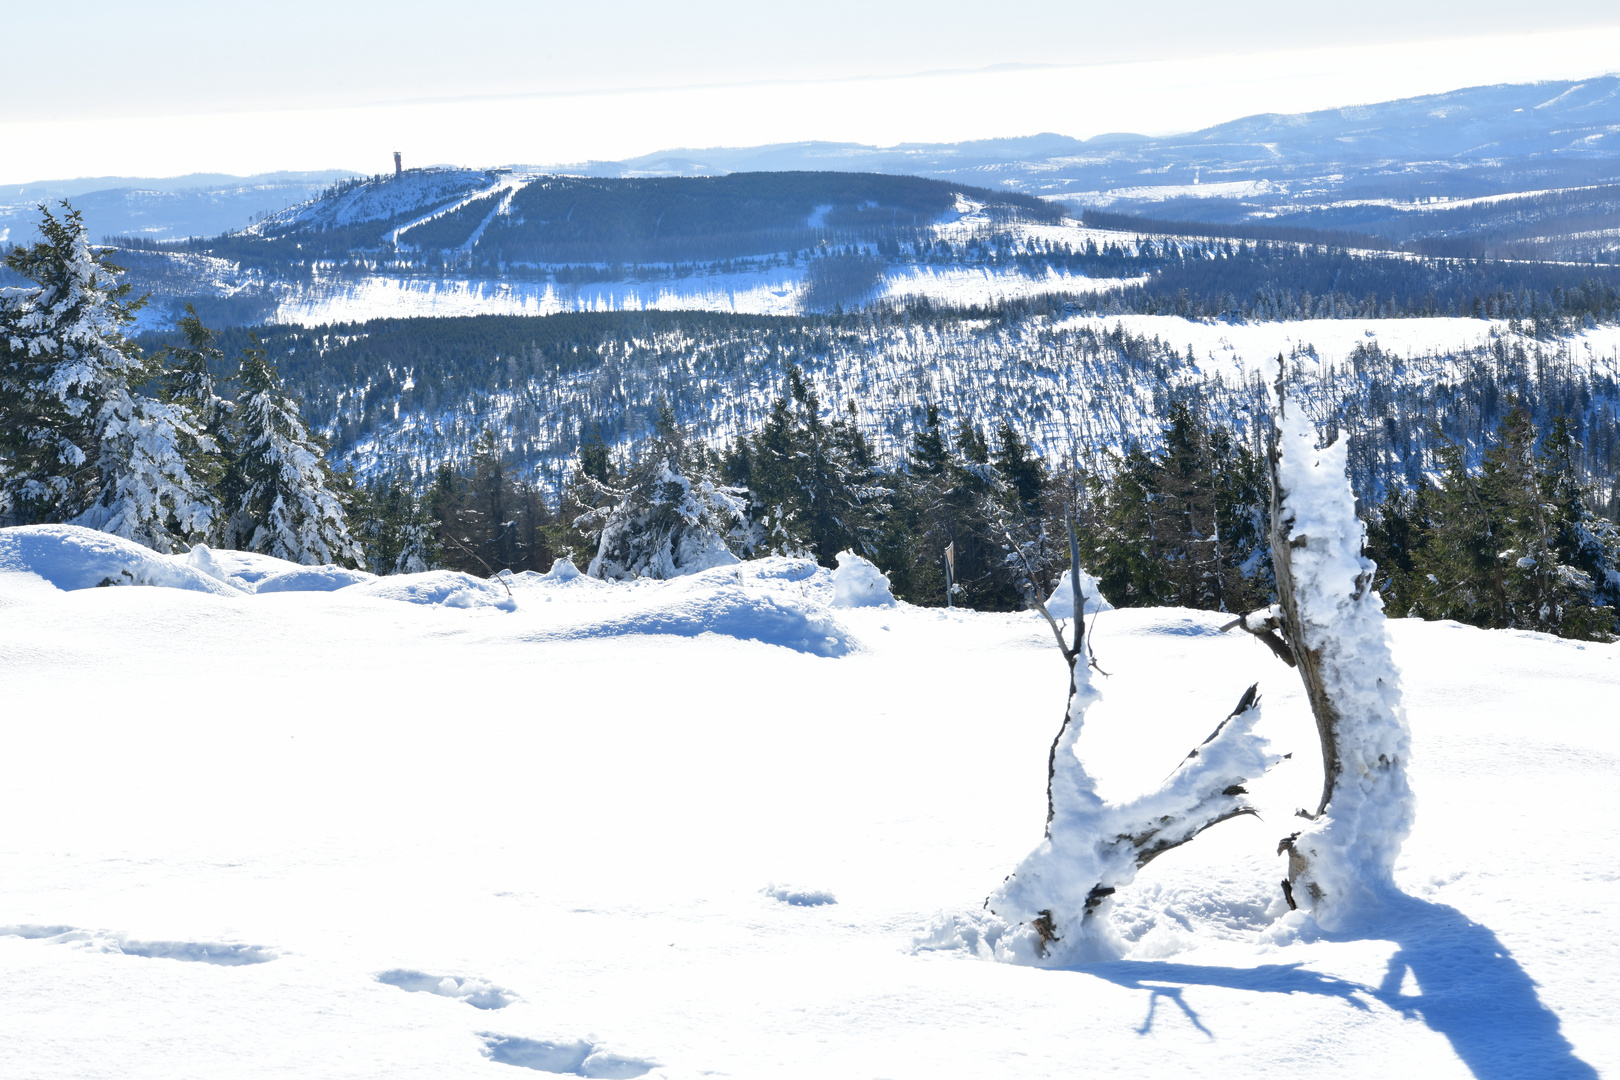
(776, 601)
(440, 588)
(73, 557)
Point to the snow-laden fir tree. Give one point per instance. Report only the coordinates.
(78, 442)
(188, 382)
(189, 376)
(669, 517)
(288, 506)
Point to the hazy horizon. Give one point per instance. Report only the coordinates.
(553, 88)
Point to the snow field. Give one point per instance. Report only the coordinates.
(777, 291)
(568, 805)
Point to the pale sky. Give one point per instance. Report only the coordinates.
(173, 86)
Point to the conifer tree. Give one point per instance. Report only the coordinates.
(1185, 526)
(490, 519)
(393, 529)
(79, 443)
(290, 505)
(189, 377)
(670, 517)
(1509, 545)
(813, 481)
(188, 382)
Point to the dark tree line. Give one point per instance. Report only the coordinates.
(1512, 543)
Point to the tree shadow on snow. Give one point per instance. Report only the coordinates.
(1468, 988)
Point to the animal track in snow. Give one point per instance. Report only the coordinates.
(475, 992)
(577, 1058)
(201, 952)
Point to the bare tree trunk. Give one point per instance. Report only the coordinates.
(1306, 660)
(1332, 631)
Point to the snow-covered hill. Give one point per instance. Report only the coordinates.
(643, 830)
(361, 200)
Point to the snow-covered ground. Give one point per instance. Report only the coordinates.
(418, 827)
(777, 291)
(1238, 348)
(380, 296)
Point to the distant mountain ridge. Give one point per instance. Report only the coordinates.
(198, 204)
(1477, 141)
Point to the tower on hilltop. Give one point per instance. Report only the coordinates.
(398, 168)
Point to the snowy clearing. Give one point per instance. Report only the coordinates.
(641, 829)
(777, 291)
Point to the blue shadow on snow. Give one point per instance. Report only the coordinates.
(1470, 989)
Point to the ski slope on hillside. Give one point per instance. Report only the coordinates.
(699, 827)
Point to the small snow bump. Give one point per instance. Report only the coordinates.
(797, 897)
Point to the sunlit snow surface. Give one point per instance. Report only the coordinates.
(354, 833)
(763, 292)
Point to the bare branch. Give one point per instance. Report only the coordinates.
(1264, 625)
(1035, 591)
(450, 535)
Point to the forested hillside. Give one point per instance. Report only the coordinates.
(399, 396)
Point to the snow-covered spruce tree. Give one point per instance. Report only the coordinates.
(1332, 629)
(668, 518)
(188, 377)
(78, 444)
(1053, 909)
(288, 506)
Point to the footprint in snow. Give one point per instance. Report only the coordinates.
(475, 992)
(577, 1058)
(199, 952)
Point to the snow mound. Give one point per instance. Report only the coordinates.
(73, 557)
(439, 588)
(799, 897)
(1061, 603)
(314, 579)
(858, 583)
(728, 610)
(243, 569)
(562, 570)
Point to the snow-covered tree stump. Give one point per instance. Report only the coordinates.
(1333, 623)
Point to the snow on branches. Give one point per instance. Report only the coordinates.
(1052, 909)
(663, 524)
(286, 506)
(1333, 620)
(666, 518)
(78, 443)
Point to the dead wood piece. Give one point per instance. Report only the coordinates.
(1308, 661)
(1046, 929)
(1264, 625)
